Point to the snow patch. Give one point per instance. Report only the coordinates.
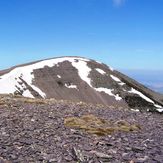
(27, 93)
(146, 98)
(121, 83)
(71, 86)
(158, 106)
(9, 84)
(109, 92)
(100, 71)
(135, 110)
(111, 68)
(83, 71)
(160, 110)
(134, 91)
(117, 80)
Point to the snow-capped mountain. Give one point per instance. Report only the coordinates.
(78, 79)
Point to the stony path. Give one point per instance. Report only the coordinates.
(32, 132)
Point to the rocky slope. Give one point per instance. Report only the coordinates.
(37, 130)
(78, 79)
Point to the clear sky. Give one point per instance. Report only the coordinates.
(126, 34)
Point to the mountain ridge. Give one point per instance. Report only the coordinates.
(79, 79)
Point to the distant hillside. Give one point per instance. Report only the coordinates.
(158, 87)
(78, 79)
(153, 79)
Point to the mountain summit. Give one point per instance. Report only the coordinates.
(78, 79)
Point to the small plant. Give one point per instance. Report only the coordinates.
(98, 126)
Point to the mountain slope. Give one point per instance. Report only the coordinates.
(43, 130)
(78, 79)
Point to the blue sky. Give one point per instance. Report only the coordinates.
(126, 34)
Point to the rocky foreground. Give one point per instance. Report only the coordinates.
(57, 131)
